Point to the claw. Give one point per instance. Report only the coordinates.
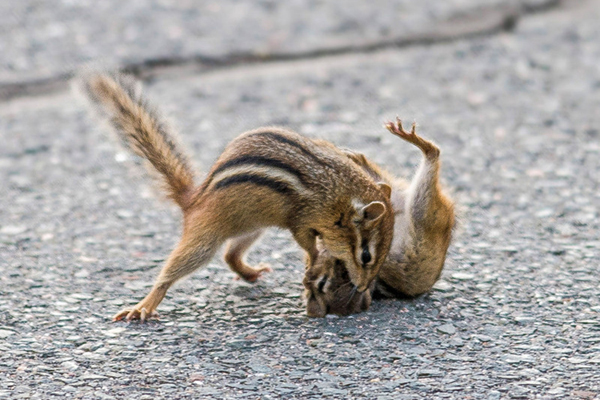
(397, 128)
(400, 127)
(130, 315)
(117, 317)
(121, 315)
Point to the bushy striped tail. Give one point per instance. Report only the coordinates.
(140, 128)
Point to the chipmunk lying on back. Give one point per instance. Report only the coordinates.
(265, 177)
(422, 232)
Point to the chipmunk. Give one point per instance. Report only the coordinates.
(423, 228)
(264, 177)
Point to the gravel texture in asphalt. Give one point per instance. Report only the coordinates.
(516, 314)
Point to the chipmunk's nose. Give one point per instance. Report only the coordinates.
(361, 289)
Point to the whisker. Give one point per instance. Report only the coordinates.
(344, 286)
(352, 295)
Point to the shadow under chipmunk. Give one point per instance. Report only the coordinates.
(424, 219)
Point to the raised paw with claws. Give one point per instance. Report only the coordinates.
(428, 148)
(397, 129)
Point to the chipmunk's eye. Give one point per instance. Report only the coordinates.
(338, 223)
(365, 256)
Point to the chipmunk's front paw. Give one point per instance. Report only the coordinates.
(140, 311)
(251, 274)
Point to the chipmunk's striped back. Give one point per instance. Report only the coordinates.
(261, 171)
(284, 162)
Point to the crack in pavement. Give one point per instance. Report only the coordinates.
(482, 22)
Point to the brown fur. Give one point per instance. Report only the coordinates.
(144, 133)
(266, 177)
(423, 229)
(330, 291)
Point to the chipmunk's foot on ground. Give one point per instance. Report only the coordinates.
(251, 274)
(138, 312)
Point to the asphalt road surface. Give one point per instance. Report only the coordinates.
(509, 90)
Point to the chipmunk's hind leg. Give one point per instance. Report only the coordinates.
(234, 256)
(423, 230)
(193, 251)
(424, 197)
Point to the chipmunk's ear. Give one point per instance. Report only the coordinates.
(386, 189)
(372, 212)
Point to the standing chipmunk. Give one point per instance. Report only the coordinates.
(265, 177)
(422, 232)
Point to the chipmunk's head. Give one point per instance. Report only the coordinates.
(330, 291)
(360, 236)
